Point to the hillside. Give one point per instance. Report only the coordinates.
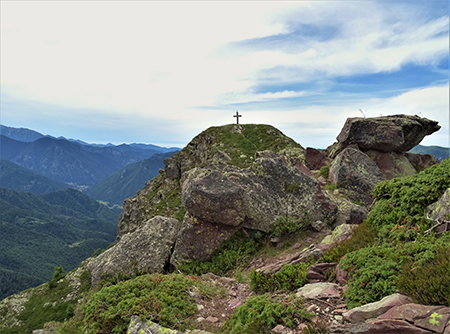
(61, 228)
(247, 232)
(126, 182)
(19, 178)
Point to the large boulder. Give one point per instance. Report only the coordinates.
(255, 197)
(433, 318)
(421, 161)
(197, 239)
(396, 133)
(355, 174)
(392, 164)
(314, 159)
(147, 249)
(220, 202)
(373, 310)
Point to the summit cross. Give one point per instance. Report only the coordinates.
(237, 117)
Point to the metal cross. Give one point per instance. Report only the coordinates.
(237, 117)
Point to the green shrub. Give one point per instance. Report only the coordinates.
(324, 171)
(162, 298)
(362, 236)
(373, 271)
(289, 278)
(428, 283)
(233, 253)
(259, 314)
(288, 225)
(404, 200)
(57, 275)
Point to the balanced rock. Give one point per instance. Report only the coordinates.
(396, 133)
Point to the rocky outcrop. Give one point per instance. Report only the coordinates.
(147, 249)
(392, 164)
(220, 202)
(339, 234)
(439, 212)
(138, 326)
(315, 159)
(396, 133)
(421, 161)
(396, 314)
(355, 173)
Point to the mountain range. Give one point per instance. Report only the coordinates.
(39, 176)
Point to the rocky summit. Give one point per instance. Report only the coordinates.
(249, 182)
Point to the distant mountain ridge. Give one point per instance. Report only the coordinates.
(70, 161)
(20, 134)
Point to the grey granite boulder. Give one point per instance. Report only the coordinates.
(147, 249)
(355, 174)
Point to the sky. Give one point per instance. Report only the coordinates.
(162, 72)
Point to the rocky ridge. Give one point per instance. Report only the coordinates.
(212, 189)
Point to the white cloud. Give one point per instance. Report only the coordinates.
(149, 60)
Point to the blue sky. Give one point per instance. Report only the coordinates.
(162, 72)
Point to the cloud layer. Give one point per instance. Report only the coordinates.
(161, 72)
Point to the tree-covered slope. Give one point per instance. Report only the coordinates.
(19, 178)
(40, 233)
(126, 182)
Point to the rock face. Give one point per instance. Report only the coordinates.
(314, 159)
(355, 172)
(147, 249)
(397, 133)
(395, 314)
(253, 198)
(373, 310)
(440, 213)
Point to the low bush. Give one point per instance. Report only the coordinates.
(289, 278)
(234, 252)
(260, 314)
(373, 271)
(161, 298)
(363, 236)
(428, 283)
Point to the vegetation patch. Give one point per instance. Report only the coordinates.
(260, 314)
(428, 283)
(396, 248)
(161, 298)
(289, 278)
(233, 253)
(288, 225)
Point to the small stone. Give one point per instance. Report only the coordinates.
(311, 308)
(297, 246)
(200, 307)
(212, 319)
(338, 318)
(200, 319)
